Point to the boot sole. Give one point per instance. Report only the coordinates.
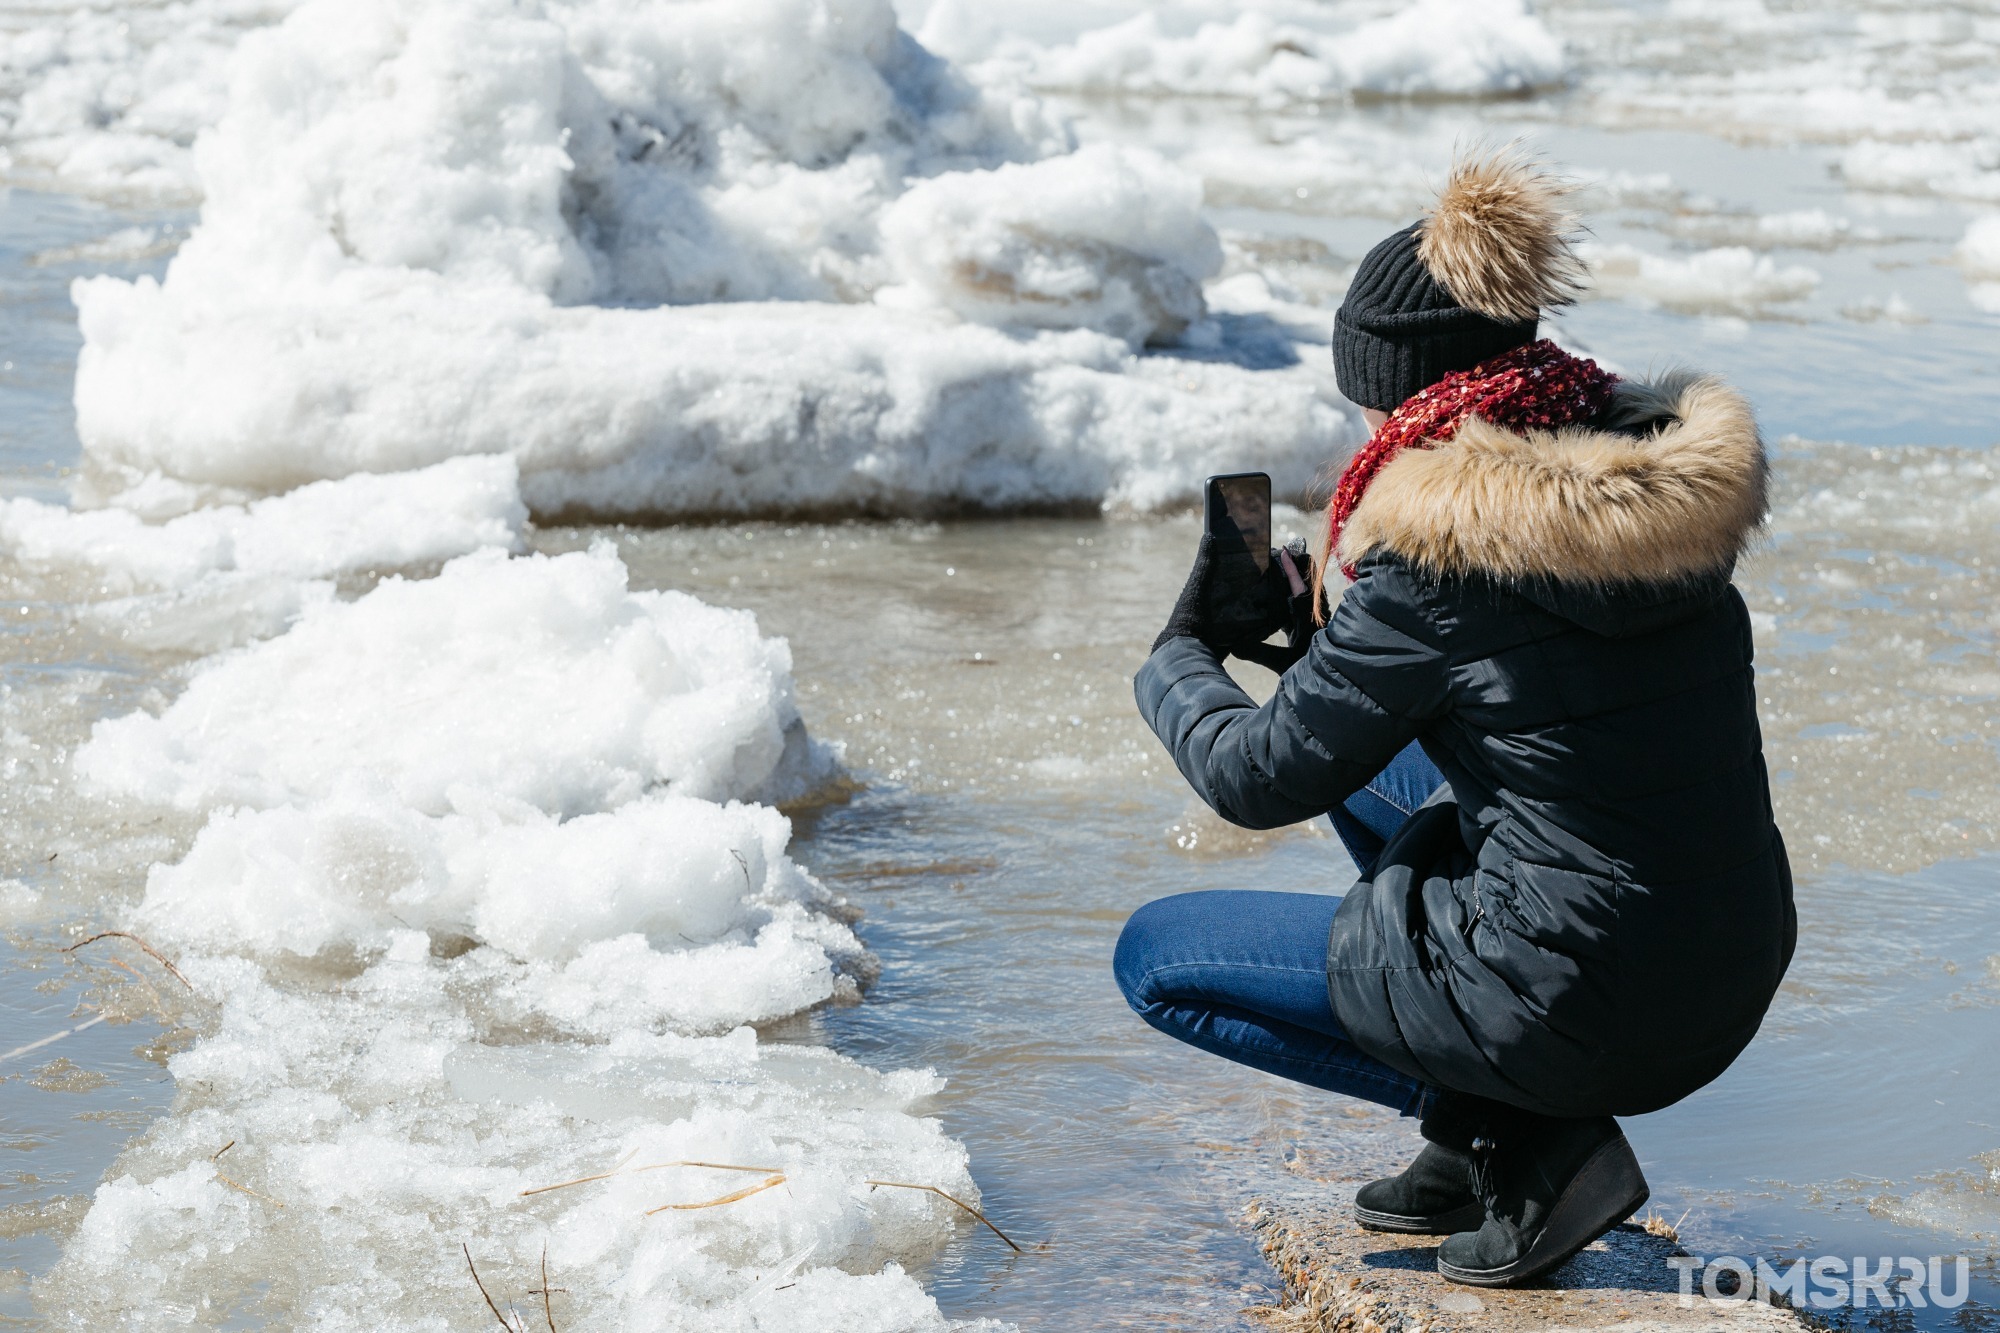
(1579, 1217)
(1467, 1218)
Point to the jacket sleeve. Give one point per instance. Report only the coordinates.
(1373, 679)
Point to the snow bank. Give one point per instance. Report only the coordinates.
(1271, 53)
(483, 904)
(1728, 280)
(670, 256)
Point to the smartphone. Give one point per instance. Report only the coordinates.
(1237, 513)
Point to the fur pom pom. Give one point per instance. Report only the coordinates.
(1499, 237)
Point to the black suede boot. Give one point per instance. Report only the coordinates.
(1550, 1187)
(1432, 1197)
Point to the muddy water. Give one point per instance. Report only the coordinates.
(1019, 811)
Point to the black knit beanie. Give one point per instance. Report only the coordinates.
(1400, 330)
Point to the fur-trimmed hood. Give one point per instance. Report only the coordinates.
(1668, 489)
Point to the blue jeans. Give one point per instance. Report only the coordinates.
(1242, 973)
(1372, 815)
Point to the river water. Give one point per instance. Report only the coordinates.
(1011, 811)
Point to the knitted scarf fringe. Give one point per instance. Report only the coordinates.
(1535, 387)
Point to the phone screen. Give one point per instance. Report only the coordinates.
(1240, 509)
(1238, 515)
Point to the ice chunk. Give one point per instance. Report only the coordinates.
(666, 912)
(18, 901)
(1729, 280)
(395, 1127)
(1965, 169)
(1453, 47)
(1979, 256)
(358, 523)
(123, 246)
(1104, 238)
(1270, 52)
(450, 228)
(426, 990)
(220, 611)
(1979, 252)
(109, 97)
(539, 679)
(755, 407)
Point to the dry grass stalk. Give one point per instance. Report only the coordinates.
(777, 1177)
(1656, 1224)
(622, 1170)
(897, 1184)
(237, 1184)
(744, 1193)
(242, 1188)
(513, 1327)
(127, 935)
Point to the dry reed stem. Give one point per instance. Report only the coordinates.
(548, 1311)
(159, 1000)
(621, 1170)
(744, 1193)
(237, 1184)
(128, 935)
(777, 1177)
(45, 1041)
(897, 1184)
(474, 1270)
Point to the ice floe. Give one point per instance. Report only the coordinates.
(1954, 169)
(484, 902)
(361, 522)
(1268, 53)
(1979, 255)
(109, 98)
(1103, 238)
(675, 262)
(533, 679)
(1728, 280)
(166, 571)
(375, 1130)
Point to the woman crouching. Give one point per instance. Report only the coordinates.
(1531, 717)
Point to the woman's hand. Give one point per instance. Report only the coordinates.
(1189, 618)
(1291, 589)
(1287, 600)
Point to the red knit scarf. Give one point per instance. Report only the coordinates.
(1536, 387)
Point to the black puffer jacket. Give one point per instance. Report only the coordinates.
(1598, 921)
